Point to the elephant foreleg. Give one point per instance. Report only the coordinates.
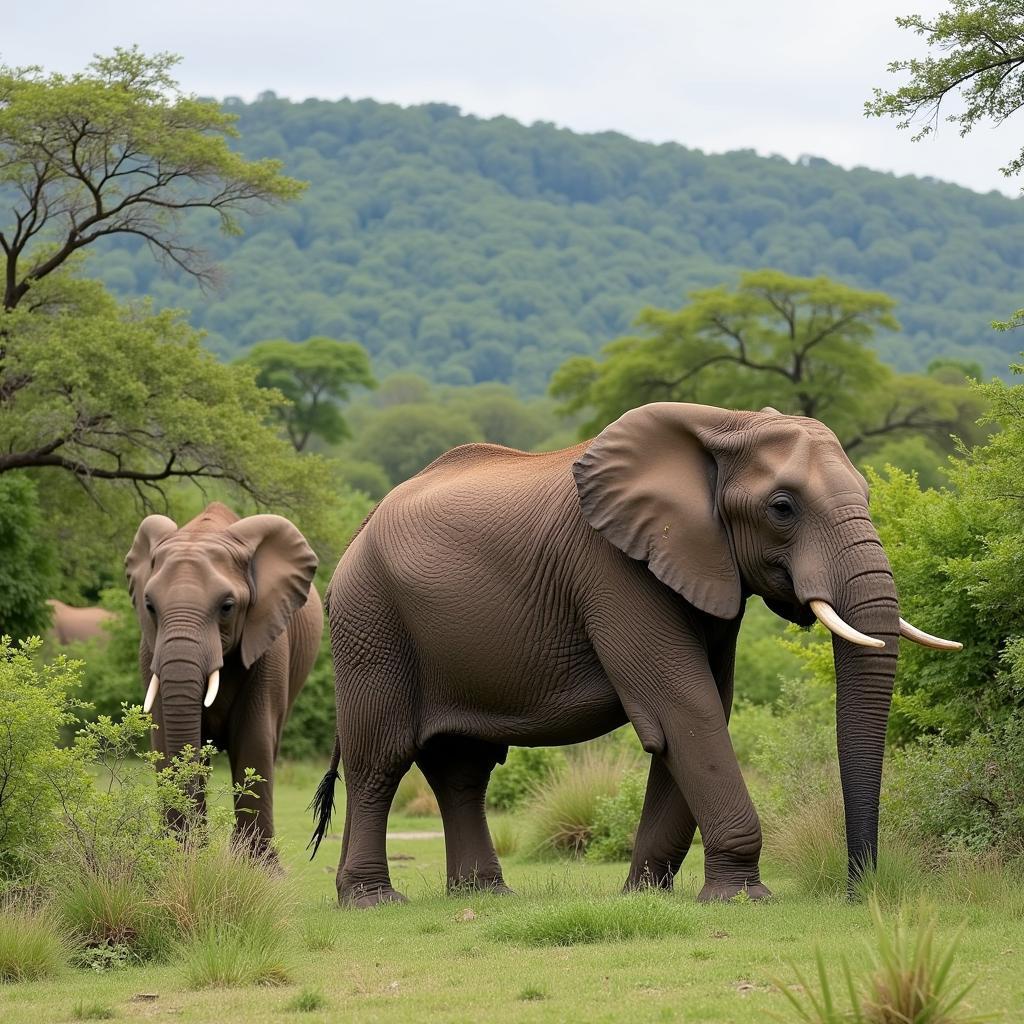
(666, 830)
(254, 802)
(458, 771)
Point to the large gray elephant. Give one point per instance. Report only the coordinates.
(507, 598)
(231, 626)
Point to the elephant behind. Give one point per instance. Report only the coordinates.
(231, 626)
(505, 598)
(71, 625)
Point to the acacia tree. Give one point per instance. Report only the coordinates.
(102, 391)
(316, 376)
(797, 344)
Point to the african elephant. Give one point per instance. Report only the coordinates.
(231, 626)
(72, 625)
(501, 598)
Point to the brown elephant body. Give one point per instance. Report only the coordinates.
(501, 598)
(262, 646)
(71, 625)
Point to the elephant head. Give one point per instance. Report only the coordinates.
(201, 595)
(724, 504)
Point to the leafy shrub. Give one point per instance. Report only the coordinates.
(227, 955)
(968, 795)
(34, 706)
(646, 915)
(32, 944)
(910, 979)
(559, 820)
(524, 770)
(616, 819)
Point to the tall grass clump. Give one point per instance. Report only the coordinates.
(504, 835)
(222, 885)
(559, 819)
(910, 979)
(32, 945)
(104, 908)
(229, 956)
(571, 922)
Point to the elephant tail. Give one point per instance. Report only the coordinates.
(322, 804)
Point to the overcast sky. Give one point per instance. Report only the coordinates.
(787, 77)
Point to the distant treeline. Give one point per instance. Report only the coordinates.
(475, 250)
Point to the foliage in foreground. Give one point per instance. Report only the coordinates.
(910, 980)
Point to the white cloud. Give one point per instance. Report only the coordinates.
(789, 77)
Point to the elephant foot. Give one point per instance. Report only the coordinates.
(723, 892)
(363, 897)
(476, 883)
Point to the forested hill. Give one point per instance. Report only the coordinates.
(474, 249)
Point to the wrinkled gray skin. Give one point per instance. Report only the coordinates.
(235, 595)
(505, 598)
(70, 625)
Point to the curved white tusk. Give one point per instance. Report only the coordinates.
(829, 618)
(154, 685)
(212, 686)
(919, 636)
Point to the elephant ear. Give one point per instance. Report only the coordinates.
(139, 560)
(281, 570)
(648, 483)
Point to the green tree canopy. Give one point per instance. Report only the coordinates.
(978, 53)
(316, 376)
(798, 344)
(116, 150)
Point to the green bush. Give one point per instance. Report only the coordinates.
(524, 770)
(28, 568)
(32, 944)
(616, 819)
(968, 795)
(35, 706)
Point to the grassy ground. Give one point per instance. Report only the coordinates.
(465, 958)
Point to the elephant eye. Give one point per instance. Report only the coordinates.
(149, 606)
(228, 606)
(782, 507)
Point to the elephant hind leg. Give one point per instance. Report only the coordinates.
(666, 830)
(458, 770)
(363, 877)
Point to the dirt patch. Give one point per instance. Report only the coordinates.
(415, 835)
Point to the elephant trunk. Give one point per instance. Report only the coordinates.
(864, 683)
(184, 665)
